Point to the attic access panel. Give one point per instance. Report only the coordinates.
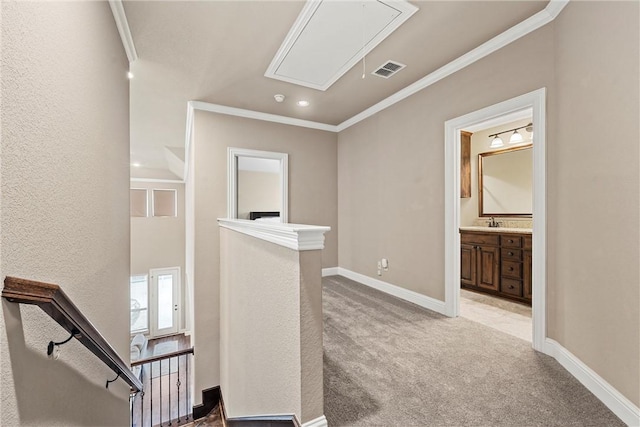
(327, 39)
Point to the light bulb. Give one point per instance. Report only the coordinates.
(515, 138)
(496, 142)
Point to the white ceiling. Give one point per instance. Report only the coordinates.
(218, 51)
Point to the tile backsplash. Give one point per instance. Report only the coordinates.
(507, 222)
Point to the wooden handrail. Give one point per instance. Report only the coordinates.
(162, 357)
(53, 301)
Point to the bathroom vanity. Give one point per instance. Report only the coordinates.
(496, 261)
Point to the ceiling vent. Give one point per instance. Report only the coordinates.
(388, 69)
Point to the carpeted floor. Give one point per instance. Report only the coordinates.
(391, 363)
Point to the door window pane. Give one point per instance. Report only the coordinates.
(164, 203)
(165, 301)
(138, 200)
(139, 304)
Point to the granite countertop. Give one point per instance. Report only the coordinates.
(497, 229)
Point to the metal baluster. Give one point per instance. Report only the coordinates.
(160, 376)
(187, 388)
(132, 400)
(169, 384)
(178, 385)
(142, 396)
(151, 412)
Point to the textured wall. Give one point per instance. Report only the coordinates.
(312, 200)
(160, 242)
(65, 203)
(594, 191)
(391, 167)
(260, 365)
(271, 328)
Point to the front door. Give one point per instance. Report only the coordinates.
(165, 285)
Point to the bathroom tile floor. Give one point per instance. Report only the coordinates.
(506, 316)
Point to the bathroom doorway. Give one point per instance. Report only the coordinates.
(496, 212)
(529, 106)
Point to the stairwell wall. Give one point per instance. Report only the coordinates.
(64, 206)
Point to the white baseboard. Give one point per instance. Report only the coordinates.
(612, 398)
(405, 294)
(330, 271)
(317, 422)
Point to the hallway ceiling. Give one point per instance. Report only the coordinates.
(219, 51)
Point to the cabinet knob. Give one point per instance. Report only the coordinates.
(510, 253)
(510, 240)
(510, 268)
(511, 287)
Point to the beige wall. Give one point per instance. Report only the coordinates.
(312, 200)
(594, 191)
(258, 191)
(271, 328)
(480, 142)
(159, 242)
(65, 207)
(391, 180)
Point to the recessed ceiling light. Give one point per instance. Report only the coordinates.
(136, 164)
(303, 103)
(129, 75)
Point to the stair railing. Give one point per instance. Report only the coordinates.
(166, 400)
(53, 301)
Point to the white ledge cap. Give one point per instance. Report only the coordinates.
(300, 237)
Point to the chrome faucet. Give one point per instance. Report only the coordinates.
(493, 223)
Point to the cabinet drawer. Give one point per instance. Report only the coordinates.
(479, 239)
(511, 287)
(528, 242)
(509, 241)
(511, 254)
(512, 269)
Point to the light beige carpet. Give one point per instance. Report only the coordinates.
(391, 363)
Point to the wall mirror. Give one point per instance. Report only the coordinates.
(505, 182)
(257, 185)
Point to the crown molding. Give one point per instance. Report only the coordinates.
(257, 115)
(123, 28)
(514, 33)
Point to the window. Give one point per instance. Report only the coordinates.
(139, 304)
(164, 203)
(138, 200)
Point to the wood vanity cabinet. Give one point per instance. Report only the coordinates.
(496, 263)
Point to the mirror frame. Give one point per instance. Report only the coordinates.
(232, 178)
(480, 186)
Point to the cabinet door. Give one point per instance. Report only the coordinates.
(488, 265)
(468, 265)
(526, 273)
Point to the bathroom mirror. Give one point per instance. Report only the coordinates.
(505, 179)
(257, 185)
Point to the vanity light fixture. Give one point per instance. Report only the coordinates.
(515, 138)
